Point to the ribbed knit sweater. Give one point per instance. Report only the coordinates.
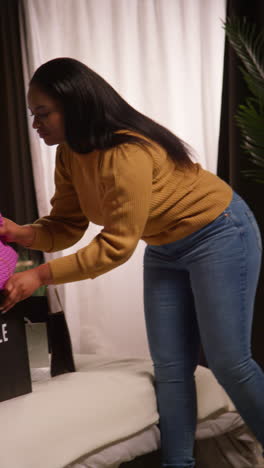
(134, 192)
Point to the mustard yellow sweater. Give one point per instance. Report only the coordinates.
(134, 193)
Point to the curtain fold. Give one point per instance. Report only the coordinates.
(18, 200)
(231, 159)
(164, 58)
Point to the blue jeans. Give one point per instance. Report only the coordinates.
(201, 289)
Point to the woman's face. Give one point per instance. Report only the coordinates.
(48, 116)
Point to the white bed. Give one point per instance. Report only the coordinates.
(100, 416)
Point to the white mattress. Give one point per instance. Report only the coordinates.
(112, 456)
(76, 415)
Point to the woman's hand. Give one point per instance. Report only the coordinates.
(19, 287)
(12, 232)
(22, 285)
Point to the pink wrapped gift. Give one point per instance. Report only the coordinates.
(8, 260)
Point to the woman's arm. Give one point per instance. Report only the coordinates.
(62, 228)
(126, 191)
(12, 232)
(66, 223)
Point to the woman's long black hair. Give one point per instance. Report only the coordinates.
(94, 111)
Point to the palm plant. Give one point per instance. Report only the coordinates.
(249, 47)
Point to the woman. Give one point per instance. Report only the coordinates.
(119, 169)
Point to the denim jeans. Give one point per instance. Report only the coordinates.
(201, 289)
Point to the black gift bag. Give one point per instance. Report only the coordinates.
(15, 379)
(62, 360)
(61, 356)
(49, 309)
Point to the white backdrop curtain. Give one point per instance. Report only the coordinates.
(165, 57)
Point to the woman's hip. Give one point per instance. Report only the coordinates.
(233, 236)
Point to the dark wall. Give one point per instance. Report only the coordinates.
(17, 193)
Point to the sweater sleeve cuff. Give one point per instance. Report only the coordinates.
(43, 238)
(66, 270)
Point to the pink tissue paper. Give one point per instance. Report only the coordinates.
(8, 260)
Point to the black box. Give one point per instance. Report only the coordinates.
(15, 379)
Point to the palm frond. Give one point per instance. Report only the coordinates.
(250, 116)
(251, 123)
(248, 46)
(256, 86)
(256, 175)
(256, 153)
